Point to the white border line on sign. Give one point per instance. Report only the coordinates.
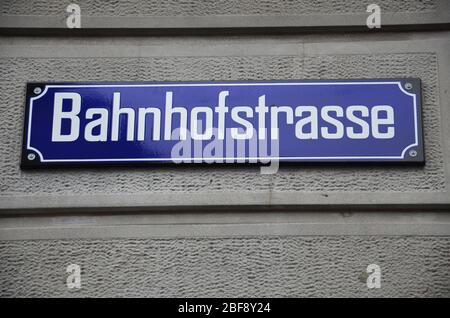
(402, 156)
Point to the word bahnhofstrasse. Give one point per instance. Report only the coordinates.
(311, 122)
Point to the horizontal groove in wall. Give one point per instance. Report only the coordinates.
(203, 31)
(238, 208)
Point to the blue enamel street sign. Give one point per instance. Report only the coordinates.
(374, 120)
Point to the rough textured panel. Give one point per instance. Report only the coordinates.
(228, 267)
(208, 7)
(15, 72)
(388, 178)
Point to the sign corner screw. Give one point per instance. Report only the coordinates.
(408, 86)
(37, 90)
(413, 153)
(31, 156)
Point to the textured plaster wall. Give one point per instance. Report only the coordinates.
(209, 7)
(228, 267)
(15, 72)
(211, 15)
(245, 256)
(194, 264)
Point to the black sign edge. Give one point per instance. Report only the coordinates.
(419, 159)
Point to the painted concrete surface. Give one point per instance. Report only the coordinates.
(423, 55)
(225, 231)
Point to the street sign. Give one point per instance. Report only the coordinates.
(370, 120)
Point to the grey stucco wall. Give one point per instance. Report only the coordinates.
(430, 178)
(213, 14)
(227, 254)
(208, 7)
(190, 231)
(319, 266)
(422, 55)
